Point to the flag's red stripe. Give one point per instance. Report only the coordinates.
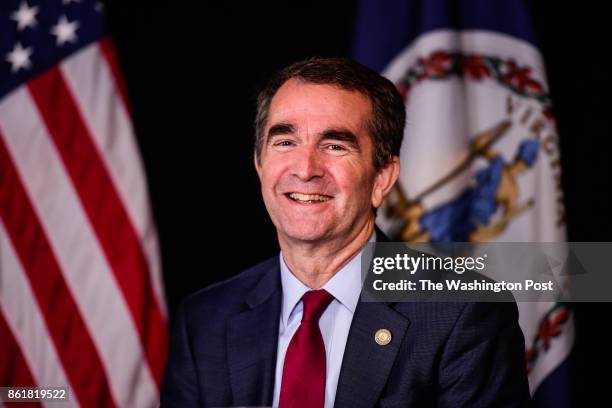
(74, 345)
(110, 53)
(14, 370)
(105, 210)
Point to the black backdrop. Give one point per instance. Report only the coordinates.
(192, 70)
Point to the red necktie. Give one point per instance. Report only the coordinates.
(303, 383)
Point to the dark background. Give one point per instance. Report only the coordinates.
(192, 72)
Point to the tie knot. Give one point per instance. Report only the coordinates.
(315, 303)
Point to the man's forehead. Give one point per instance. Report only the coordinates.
(297, 100)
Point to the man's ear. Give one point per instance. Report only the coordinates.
(385, 179)
(257, 165)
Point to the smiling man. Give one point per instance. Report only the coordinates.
(318, 176)
(291, 331)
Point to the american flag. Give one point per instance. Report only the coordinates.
(81, 295)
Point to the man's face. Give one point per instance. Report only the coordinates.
(316, 167)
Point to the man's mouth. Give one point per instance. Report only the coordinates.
(308, 198)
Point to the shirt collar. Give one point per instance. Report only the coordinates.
(344, 286)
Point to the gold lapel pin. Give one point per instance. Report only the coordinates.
(382, 337)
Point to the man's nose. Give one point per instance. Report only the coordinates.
(308, 163)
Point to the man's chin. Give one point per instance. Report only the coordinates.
(306, 235)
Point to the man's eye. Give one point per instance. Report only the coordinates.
(335, 147)
(283, 143)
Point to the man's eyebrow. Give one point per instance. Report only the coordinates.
(341, 136)
(280, 129)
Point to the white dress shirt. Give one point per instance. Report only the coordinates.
(345, 287)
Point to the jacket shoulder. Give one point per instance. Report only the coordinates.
(230, 294)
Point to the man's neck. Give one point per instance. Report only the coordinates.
(316, 263)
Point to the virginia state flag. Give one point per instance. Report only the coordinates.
(480, 158)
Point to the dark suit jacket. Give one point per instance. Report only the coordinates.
(223, 351)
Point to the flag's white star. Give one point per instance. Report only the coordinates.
(99, 7)
(25, 16)
(65, 31)
(19, 57)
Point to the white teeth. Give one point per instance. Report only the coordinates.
(308, 197)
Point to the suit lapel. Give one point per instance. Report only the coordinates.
(252, 338)
(366, 364)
